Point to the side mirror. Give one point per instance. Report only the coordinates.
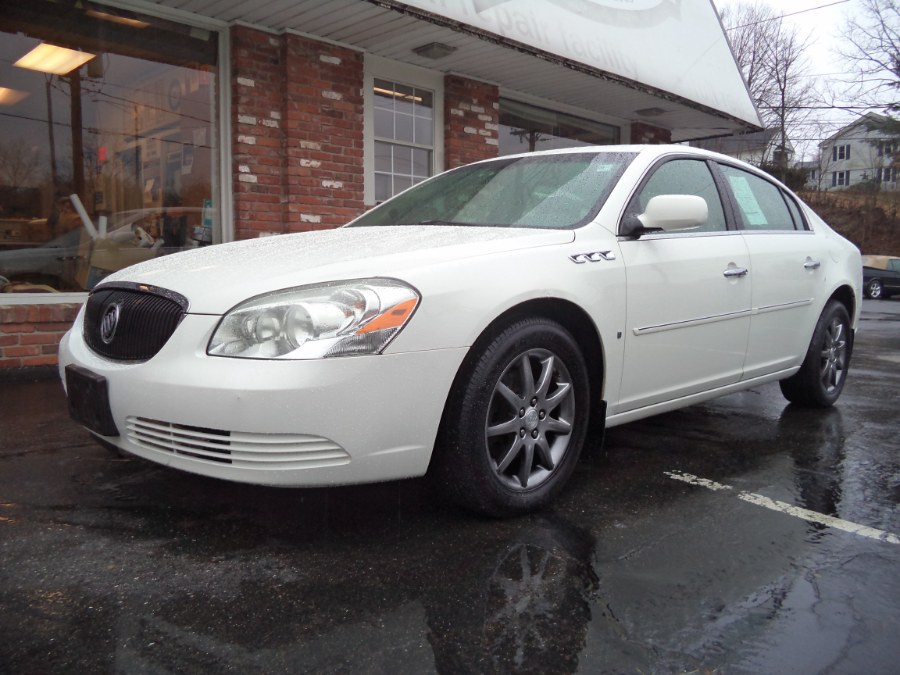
(665, 213)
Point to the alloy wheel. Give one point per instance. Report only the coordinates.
(530, 419)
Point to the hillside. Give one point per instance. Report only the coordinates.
(871, 221)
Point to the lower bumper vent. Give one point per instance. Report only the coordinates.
(239, 449)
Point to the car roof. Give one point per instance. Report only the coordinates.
(650, 152)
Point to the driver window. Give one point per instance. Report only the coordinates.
(686, 177)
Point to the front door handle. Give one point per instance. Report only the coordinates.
(732, 272)
(811, 264)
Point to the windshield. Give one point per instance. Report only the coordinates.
(559, 191)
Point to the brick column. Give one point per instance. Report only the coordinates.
(323, 122)
(257, 136)
(471, 121)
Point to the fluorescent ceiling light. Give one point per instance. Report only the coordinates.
(11, 96)
(397, 94)
(47, 58)
(115, 18)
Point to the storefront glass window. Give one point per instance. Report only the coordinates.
(404, 136)
(107, 142)
(526, 128)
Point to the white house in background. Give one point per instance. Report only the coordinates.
(858, 153)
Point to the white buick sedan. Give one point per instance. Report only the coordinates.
(472, 327)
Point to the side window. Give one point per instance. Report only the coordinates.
(760, 203)
(685, 177)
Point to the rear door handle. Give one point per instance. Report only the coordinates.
(811, 264)
(735, 272)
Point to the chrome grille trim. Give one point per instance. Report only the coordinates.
(239, 449)
(130, 322)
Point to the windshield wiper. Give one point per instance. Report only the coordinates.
(438, 221)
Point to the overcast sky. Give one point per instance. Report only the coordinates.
(820, 23)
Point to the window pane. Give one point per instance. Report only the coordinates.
(382, 187)
(401, 183)
(424, 103)
(384, 123)
(759, 202)
(403, 128)
(383, 157)
(526, 128)
(424, 131)
(404, 99)
(686, 177)
(421, 163)
(384, 96)
(143, 156)
(402, 160)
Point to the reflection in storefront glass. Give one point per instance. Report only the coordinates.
(106, 143)
(527, 128)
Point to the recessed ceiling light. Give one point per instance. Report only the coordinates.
(115, 18)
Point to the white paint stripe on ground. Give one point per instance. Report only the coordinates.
(783, 507)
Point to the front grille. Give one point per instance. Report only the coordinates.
(131, 322)
(239, 449)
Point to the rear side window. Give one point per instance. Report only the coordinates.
(799, 224)
(761, 205)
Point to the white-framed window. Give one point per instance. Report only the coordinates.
(840, 152)
(840, 178)
(403, 128)
(885, 148)
(886, 174)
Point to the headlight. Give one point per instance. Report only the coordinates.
(311, 322)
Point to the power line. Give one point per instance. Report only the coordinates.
(782, 16)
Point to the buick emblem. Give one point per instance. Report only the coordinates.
(110, 322)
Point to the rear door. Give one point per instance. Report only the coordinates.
(787, 264)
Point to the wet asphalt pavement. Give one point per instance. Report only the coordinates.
(116, 565)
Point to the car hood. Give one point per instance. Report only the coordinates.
(214, 279)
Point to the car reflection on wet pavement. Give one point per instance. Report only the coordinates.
(112, 564)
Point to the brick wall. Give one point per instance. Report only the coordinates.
(644, 133)
(471, 121)
(30, 334)
(298, 134)
(257, 136)
(324, 134)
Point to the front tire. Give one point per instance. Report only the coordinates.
(515, 421)
(820, 380)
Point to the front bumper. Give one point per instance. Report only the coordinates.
(293, 423)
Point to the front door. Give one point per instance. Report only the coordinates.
(688, 297)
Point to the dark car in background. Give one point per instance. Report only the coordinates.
(881, 276)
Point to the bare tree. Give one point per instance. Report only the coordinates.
(771, 57)
(19, 163)
(871, 47)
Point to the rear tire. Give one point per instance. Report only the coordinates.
(515, 421)
(820, 380)
(875, 289)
